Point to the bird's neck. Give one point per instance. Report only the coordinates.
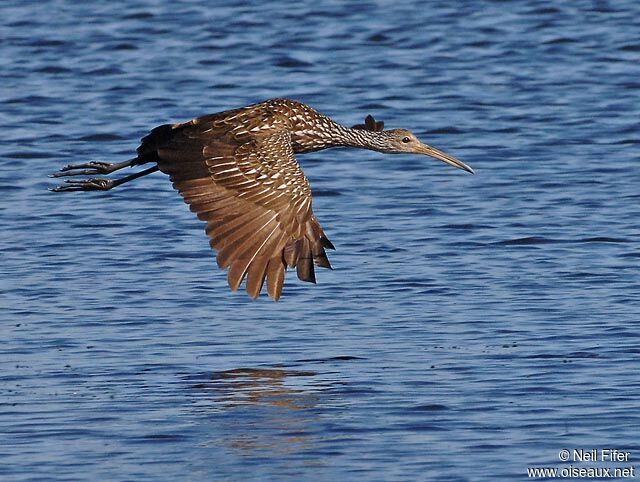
(329, 134)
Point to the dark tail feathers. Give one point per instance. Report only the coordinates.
(148, 150)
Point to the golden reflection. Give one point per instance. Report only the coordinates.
(261, 412)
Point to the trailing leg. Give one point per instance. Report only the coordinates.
(93, 167)
(99, 183)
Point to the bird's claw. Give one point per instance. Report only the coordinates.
(95, 184)
(85, 169)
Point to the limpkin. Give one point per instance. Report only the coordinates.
(238, 172)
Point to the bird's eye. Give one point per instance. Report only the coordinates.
(406, 140)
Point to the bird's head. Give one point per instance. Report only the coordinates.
(402, 141)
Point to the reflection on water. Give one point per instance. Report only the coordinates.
(259, 412)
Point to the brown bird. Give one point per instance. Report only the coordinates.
(238, 172)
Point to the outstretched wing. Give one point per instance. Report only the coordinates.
(255, 199)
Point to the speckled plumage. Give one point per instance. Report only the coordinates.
(238, 172)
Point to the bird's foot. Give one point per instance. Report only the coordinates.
(94, 184)
(86, 169)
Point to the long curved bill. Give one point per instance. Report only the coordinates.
(444, 157)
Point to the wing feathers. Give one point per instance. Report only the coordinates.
(304, 266)
(246, 226)
(291, 252)
(242, 241)
(224, 227)
(246, 255)
(257, 269)
(320, 257)
(248, 187)
(275, 277)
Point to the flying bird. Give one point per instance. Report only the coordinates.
(237, 171)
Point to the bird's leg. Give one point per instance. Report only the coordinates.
(93, 167)
(99, 183)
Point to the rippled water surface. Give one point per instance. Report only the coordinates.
(473, 325)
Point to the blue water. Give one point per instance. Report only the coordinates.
(473, 325)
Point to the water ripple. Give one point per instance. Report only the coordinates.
(471, 324)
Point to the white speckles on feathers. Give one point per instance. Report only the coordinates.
(237, 170)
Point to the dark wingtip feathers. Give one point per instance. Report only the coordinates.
(326, 243)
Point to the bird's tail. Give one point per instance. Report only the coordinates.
(148, 149)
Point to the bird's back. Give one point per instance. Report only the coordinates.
(235, 124)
